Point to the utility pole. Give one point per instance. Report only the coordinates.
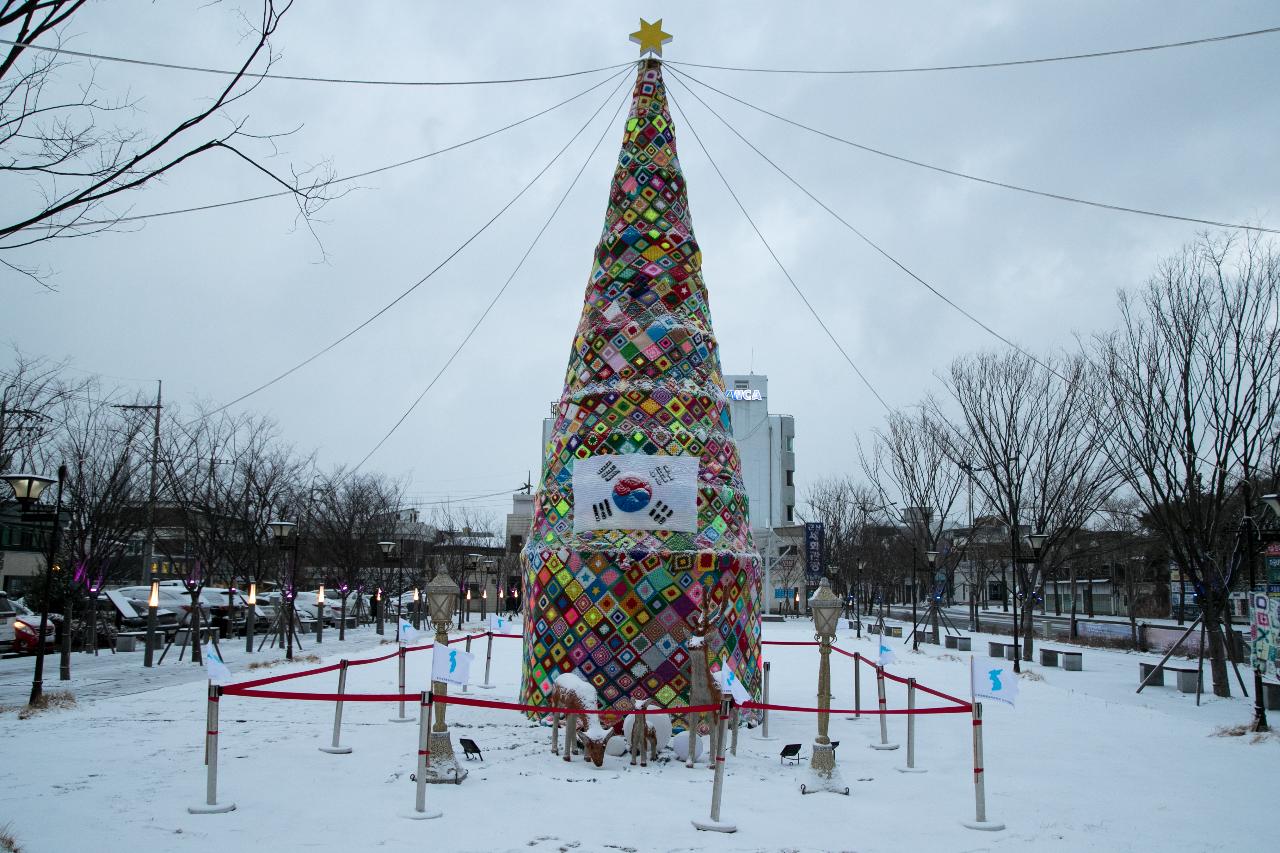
(148, 548)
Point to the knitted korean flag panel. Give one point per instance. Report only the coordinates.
(640, 511)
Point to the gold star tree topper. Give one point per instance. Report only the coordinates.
(650, 37)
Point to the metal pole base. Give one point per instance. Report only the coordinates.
(714, 826)
(421, 815)
(486, 686)
(444, 768)
(216, 808)
(401, 720)
(855, 719)
(984, 825)
(912, 770)
(818, 780)
(883, 746)
(336, 750)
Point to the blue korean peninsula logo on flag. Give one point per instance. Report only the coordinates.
(635, 492)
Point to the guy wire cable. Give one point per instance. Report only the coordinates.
(434, 270)
(344, 178)
(1097, 54)
(684, 117)
(862, 236)
(989, 181)
(494, 301)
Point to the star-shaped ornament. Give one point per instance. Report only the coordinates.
(650, 37)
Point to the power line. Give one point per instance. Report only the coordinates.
(684, 117)
(861, 235)
(384, 309)
(510, 278)
(463, 499)
(345, 178)
(299, 78)
(978, 65)
(989, 181)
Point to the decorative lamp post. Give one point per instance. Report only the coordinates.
(250, 615)
(391, 551)
(320, 615)
(377, 605)
(825, 607)
(417, 608)
(285, 534)
(153, 604)
(443, 766)
(27, 489)
(344, 589)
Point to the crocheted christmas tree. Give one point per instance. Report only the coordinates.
(641, 509)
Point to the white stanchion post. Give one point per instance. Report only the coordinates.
(402, 718)
(857, 687)
(424, 756)
(211, 804)
(764, 718)
(334, 748)
(488, 658)
(733, 741)
(717, 786)
(979, 782)
(911, 730)
(884, 718)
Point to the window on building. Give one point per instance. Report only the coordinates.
(739, 384)
(791, 513)
(791, 442)
(791, 477)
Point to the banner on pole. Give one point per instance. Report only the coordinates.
(452, 666)
(993, 678)
(813, 536)
(498, 624)
(408, 633)
(885, 655)
(219, 672)
(1266, 633)
(729, 683)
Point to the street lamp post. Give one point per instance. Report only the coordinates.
(932, 557)
(27, 489)
(443, 765)
(320, 615)
(153, 604)
(286, 535)
(250, 616)
(825, 607)
(857, 599)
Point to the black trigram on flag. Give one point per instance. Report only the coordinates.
(603, 510)
(661, 513)
(608, 471)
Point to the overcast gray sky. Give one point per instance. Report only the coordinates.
(215, 303)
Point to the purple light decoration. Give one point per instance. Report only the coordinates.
(344, 589)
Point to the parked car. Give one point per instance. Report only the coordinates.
(19, 626)
(131, 613)
(171, 597)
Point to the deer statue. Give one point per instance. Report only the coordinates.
(576, 696)
(643, 741)
(703, 688)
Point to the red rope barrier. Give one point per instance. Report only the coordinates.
(287, 676)
(539, 709)
(788, 643)
(320, 697)
(763, 707)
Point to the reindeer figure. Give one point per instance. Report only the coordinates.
(644, 737)
(576, 696)
(703, 690)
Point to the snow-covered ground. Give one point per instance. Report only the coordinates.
(1081, 764)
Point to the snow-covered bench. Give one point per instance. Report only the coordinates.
(957, 642)
(1070, 660)
(1188, 676)
(997, 649)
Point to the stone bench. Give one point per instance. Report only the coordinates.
(957, 642)
(997, 649)
(1189, 677)
(1070, 660)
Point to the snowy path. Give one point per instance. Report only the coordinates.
(1082, 763)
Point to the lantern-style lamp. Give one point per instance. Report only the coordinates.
(440, 598)
(1037, 541)
(825, 606)
(27, 488)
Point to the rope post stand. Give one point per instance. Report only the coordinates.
(911, 730)
(402, 718)
(764, 715)
(884, 722)
(857, 687)
(211, 804)
(979, 783)
(334, 748)
(424, 756)
(717, 787)
(488, 659)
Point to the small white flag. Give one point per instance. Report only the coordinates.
(498, 624)
(993, 678)
(728, 680)
(408, 633)
(219, 672)
(452, 666)
(885, 655)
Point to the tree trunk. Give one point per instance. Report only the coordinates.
(1215, 608)
(1028, 617)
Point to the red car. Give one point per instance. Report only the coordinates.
(19, 627)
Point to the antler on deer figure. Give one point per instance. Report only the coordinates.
(703, 690)
(575, 696)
